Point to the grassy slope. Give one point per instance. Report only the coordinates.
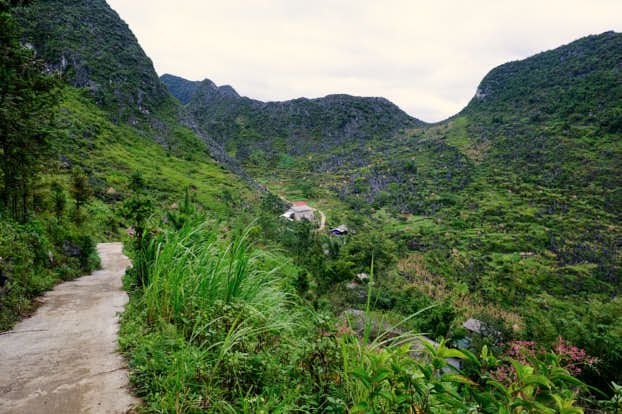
(109, 153)
(112, 153)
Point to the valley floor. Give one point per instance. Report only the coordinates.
(64, 358)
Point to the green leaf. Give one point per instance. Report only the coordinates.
(362, 375)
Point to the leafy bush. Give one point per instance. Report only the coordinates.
(33, 257)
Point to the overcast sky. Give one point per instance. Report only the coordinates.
(426, 56)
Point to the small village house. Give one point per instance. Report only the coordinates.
(340, 230)
(300, 211)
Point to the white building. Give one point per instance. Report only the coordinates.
(299, 211)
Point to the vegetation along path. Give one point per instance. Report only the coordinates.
(63, 359)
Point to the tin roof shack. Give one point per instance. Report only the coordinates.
(340, 230)
(299, 211)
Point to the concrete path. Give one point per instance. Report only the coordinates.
(63, 359)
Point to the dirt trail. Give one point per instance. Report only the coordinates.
(322, 220)
(63, 359)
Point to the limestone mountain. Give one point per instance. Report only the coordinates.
(518, 197)
(251, 128)
(88, 43)
(579, 81)
(554, 119)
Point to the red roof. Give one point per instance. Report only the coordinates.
(299, 203)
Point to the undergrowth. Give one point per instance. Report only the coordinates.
(215, 324)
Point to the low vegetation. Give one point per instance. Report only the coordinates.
(216, 324)
(508, 212)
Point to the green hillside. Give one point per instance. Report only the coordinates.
(112, 153)
(97, 50)
(514, 202)
(93, 48)
(115, 116)
(78, 136)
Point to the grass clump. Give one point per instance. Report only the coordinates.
(205, 328)
(192, 269)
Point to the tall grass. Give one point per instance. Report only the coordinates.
(216, 310)
(193, 269)
(213, 329)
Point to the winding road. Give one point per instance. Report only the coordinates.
(64, 358)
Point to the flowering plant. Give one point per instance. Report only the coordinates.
(563, 355)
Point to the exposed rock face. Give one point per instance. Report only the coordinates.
(89, 43)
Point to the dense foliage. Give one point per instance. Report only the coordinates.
(218, 327)
(41, 241)
(26, 107)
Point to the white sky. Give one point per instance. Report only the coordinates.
(426, 56)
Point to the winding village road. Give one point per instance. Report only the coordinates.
(64, 358)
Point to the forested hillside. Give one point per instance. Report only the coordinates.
(92, 143)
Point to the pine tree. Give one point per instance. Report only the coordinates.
(27, 100)
(80, 188)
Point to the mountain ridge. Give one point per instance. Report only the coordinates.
(183, 90)
(248, 127)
